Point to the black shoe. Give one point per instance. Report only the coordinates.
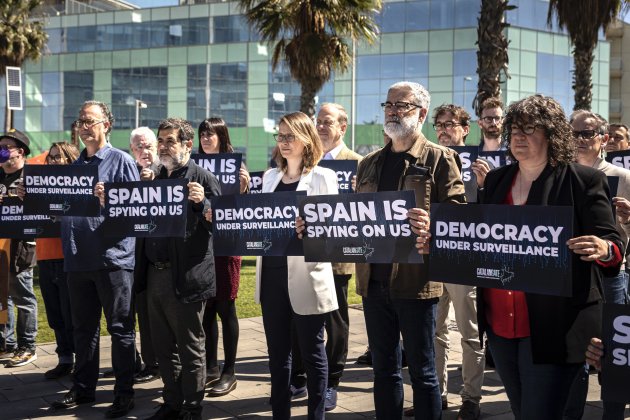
(146, 375)
(365, 358)
(120, 407)
(59, 371)
(166, 412)
(109, 373)
(409, 412)
(71, 399)
(226, 384)
(212, 376)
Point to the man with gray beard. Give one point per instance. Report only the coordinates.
(178, 275)
(399, 298)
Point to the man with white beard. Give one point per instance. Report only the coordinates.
(399, 298)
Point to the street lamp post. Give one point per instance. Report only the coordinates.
(466, 79)
(139, 104)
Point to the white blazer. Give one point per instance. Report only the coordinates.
(311, 285)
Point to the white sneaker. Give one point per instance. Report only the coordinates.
(22, 357)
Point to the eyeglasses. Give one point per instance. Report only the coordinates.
(88, 123)
(54, 158)
(525, 129)
(446, 125)
(399, 106)
(289, 138)
(585, 134)
(491, 120)
(325, 123)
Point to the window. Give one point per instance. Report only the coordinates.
(148, 84)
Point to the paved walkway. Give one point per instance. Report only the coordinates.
(24, 393)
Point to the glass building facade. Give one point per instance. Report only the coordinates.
(204, 60)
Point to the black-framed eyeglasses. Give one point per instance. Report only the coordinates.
(491, 120)
(399, 106)
(446, 125)
(280, 138)
(88, 123)
(525, 129)
(54, 158)
(585, 134)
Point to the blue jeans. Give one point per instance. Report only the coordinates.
(22, 296)
(53, 282)
(385, 320)
(536, 391)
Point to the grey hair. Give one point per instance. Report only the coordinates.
(420, 94)
(145, 132)
(343, 115)
(602, 124)
(104, 109)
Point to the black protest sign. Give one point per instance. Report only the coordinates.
(256, 224)
(468, 154)
(14, 224)
(61, 190)
(495, 158)
(365, 227)
(621, 159)
(225, 166)
(345, 170)
(502, 247)
(146, 208)
(613, 184)
(616, 360)
(255, 182)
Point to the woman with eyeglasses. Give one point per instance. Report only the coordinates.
(289, 289)
(53, 280)
(538, 342)
(215, 138)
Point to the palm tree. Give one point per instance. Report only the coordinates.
(492, 55)
(21, 38)
(312, 36)
(583, 19)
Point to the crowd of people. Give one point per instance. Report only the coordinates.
(177, 286)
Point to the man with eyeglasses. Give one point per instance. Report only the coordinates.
(20, 350)
(451, 124)
(491, 124)
(590, 132)
(399, 298)
(100, 273)
(618, 138)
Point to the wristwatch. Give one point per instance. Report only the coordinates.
(610, 253)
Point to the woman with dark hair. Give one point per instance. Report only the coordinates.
(537, 341)
(53, 280)
(215, 138)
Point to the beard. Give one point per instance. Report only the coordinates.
(494, 135)
(399, 128)
(173, 162)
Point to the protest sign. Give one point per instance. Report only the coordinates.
(621, 159)
(15, 224)
(146, 208)
(502, 247)
(61, 190)
(255, 182)
(345, 170)
(468, 154)
(256, 224)
(616, 360)
(225, 166)
(365, 227)
(495, 158)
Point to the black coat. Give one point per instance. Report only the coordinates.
(556, 322)
(191, 257)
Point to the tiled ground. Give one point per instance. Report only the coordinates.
(24, 393)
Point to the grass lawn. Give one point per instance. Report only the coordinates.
(245, 305)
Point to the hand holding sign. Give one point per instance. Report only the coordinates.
(480, 168)
(195, 192)
(420, 225)
(99, 191)
(208, 215)
(243, 175)
(594, 353)
(622, 208)
(591, 248)
(300, 226)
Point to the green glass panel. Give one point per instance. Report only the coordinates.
(545, 42)
(158, 56)
(85, 61)
(441, 63)
(176, 94)
(363, 48)
(68, 62)
(217, 53)
(440, 84)
(121, 59)
(236, 52)
(258, 91)
(102, 79)
(160, 13)
(32, 120)
(103, 60)
(392, 43)
(441, 40)
(528, 84)
(465, 39)
(257, 72)
(176, 109)
(105, 96)
(514, 36)
(104, 18)
(528, 40)
(343, 88)
(528, 63)
(561, 45)
(179, 12)
(259, 52)
(177, 77)
(177, 55)
(197, 55)
(50, 63)
(416, 41)
(256, 111)
(140, 58)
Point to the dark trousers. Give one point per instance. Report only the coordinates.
(226, 309)
(178, 340)
(536, 391)
(278, 315)
(385, 320)
(53, 282)
(144, 327)
(111, 292)
(337, 332)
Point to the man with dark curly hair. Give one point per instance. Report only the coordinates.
(451, 124)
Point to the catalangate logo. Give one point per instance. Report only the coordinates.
(145, 227)
(62, 207)
(265, 245)
(504, 275)
(366, 250)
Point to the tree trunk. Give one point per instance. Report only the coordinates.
(307, 98)
(583, 56)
